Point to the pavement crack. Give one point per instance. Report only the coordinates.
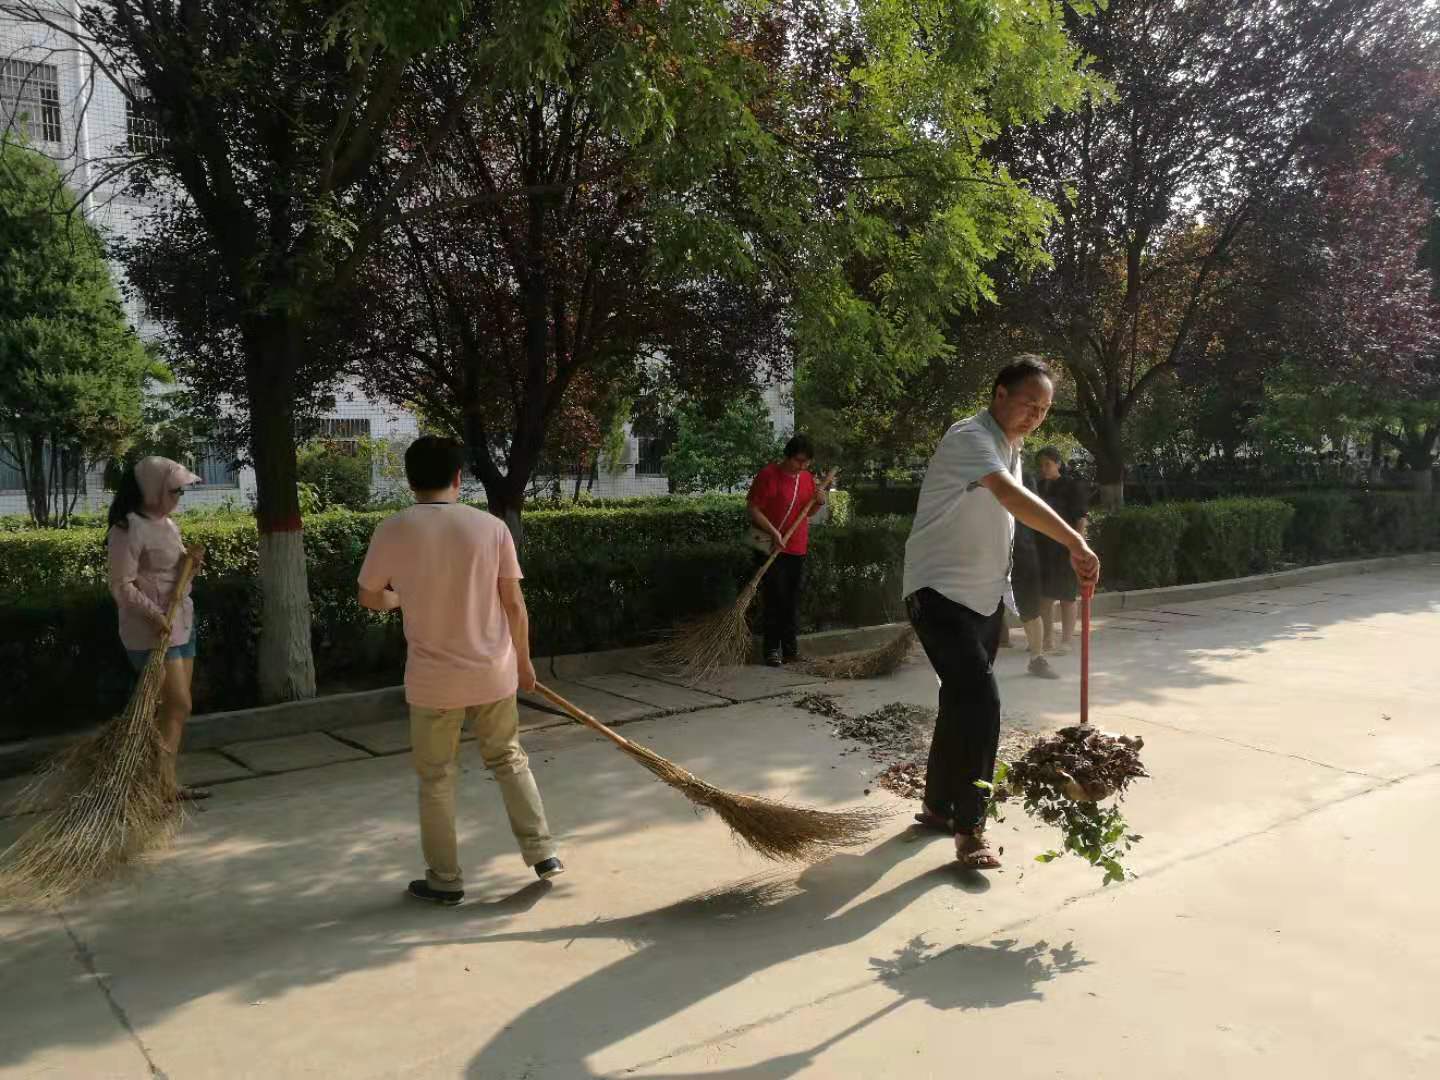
(87, 961)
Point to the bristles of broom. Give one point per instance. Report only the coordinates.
(883, 660)
(773, 829)
(113, 795)
(113, 800)
(704, 647)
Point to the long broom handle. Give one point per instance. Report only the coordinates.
(577, 713)
(1086, 592)
(187, 571)
(785, 540)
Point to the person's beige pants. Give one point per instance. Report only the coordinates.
(435, 742)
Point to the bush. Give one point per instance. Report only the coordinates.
(619, 587)
(885, 501)
(1229, 538)
(1325, 525)
(1138, 545)
(1388, 521)
(853, 576)
(341, 472)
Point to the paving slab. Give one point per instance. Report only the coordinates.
(747, 683)
(386, 737)
(208, 767)
(291, 752)
(661, 695)
(604, 706)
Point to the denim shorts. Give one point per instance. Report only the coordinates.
(138, 657)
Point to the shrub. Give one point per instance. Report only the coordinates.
(1388, 521)
(885, 501)
(1228, 538)
(1325, 525)
(341, 472)
(1138, 545)
(596, 579)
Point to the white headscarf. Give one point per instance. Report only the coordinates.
(156, 475)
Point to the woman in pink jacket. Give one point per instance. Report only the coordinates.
(146, 556)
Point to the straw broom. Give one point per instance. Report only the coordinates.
(703, 647)
(881, 660)
(115, 798)
(771, 828)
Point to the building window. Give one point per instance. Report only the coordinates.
(336, 429)
(30, 99)
(215, 467)
(650, 456)
(142, 130)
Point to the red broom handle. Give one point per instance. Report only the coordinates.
(1086, 592)
(824, 486)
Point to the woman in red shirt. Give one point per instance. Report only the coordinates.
(780, 496)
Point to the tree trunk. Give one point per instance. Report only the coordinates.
(507, 502)
(38, 493)
(287, 663)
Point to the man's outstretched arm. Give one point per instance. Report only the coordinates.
(1029, 509)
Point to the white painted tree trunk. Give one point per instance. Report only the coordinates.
(287, 666)
(1112, 495)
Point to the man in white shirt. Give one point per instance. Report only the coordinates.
(957, 565)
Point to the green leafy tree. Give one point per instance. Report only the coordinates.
(278, 154)
(723, 452)
(72, 370)
(724, 183)
(1212, 106)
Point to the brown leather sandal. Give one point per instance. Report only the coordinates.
(973, 853)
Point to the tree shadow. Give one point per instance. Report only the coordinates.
(966, 977)
(716, 942)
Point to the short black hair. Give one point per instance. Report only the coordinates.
(800, 444)
(1051, 452)
(432, 461)
(1023, 367)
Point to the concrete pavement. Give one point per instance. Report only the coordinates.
(1282, 924)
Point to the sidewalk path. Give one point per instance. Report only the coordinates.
(1283, 923)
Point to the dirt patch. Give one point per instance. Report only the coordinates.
(897, 737)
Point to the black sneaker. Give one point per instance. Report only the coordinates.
(421, 890)
(774, 659)
(548, 869)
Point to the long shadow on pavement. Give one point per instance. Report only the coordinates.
(702, 947)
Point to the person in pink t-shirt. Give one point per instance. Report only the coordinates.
(145, 557)
(453, 573)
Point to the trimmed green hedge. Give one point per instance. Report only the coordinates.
(1230, 538)
(595, 579)
(1139, 546)
(1146, 547)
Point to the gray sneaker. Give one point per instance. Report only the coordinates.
(1041, 669)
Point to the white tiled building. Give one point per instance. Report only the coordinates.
(85, 124)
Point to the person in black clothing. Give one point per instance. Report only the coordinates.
(1027, 584)
(1069, 497)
